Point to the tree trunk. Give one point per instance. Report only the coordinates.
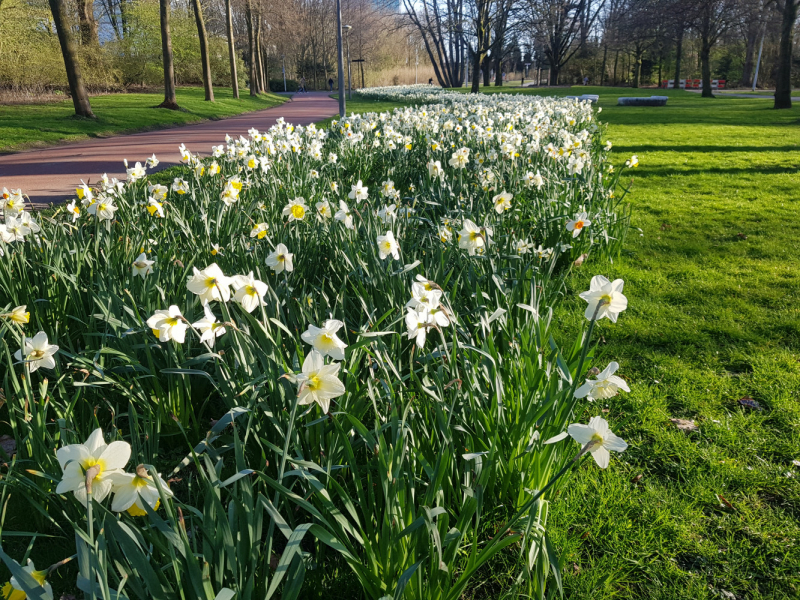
(170, 101)
(678, 56)
(88, 25)
(783, 81)
(637, 68)
(80, 98)
(204, 58)
(749, 54)
(476, 73)
(498, 66)
(705, 68)
(616, 62)
(487, 71)
(603, 70)
(262, 84)
(231, 49)
(252, 45)
(554, 72)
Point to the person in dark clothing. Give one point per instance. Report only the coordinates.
(330, 83)
(430, 81)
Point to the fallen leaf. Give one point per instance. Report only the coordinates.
(576, 568)
(665, 226)
(684, 424)
(8, 444)
(579, 261)
(749, 403)
(637, 479)
(724, 502)
(741, 236)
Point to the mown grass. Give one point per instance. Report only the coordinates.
(712, 283)
(35, 125)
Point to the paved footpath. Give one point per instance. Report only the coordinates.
(52, 174)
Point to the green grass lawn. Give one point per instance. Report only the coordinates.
(35, 125)
(713, 284)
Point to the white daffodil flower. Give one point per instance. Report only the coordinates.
(154, 207)
(94, 457)
(19, 315)
(168, 325)
(74, 210)
(37, 352)
(152, 162)
(141, 266)
(502, 202)
(259, 231)
(435, 169)
(325, 340)
(12, 590)
(606, 294)
(318, 382)
(210, 284)
(250, 292)
(28, 221)
(607, 385)
(135, 173)
(323, 210)
(522, 246)
(15, 230)
(208, 327)
(388, 214)
(132, 491)
(280, 260)
(632, 162)
(577, 224)
(388, 245)
(471, 238)
(599, 438)
(424, 299)
(358, 192)
(295, 210)
(417, 324)
(344, 215)
(460, 158)
(103, 209)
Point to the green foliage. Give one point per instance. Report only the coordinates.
(276, 85)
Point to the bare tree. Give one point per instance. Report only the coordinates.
(714, 18)
(204, 58)
(783, 87)
(441, 26)
(555, 24)
(88, 25)
(80, 98)
(170, 101)
(231, 48)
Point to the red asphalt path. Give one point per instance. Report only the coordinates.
(52, 174)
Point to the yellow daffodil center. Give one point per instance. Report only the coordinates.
(36, 354)
(281, 257)
(171, 321)
(474, 235)
(605, 298)
(314, 383)
(211, 282)
(94, 462)
(250, 290)
(386, 246)
(298, 211)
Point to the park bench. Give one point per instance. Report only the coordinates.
(643, 101)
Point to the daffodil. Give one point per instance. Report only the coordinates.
(323, 210)
(84, 192)
(325, 340)
(607, 295)
(632, 162)
(141, 266)
(423, 299)
(259, 231)
(502, 202)
(358, 192)
(318, 382)
(577, 224)
(133, 490)
(136, 172)
(597, 438)
(103, 209)
(280, 260)
(471, 238)
(74, 210)
(532, 179)
(94, 459)
(607, 385)
(216, 249)
(388, 245)
(168, 325)
(15, 230)
(295, 210)
(344, 215)
(158, 191)
(250, 292)
(208, 327)
(37, 352)
(460, 158)
(209, 284)
(435, 169)
(417, 324)
(12, 589)
(152, 162)
(522, 246)
(19, 315)
(154, 207)
(180, 186)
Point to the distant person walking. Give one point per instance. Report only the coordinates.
(430, 81)
(330, 84)
(302, 85)
(585, 80)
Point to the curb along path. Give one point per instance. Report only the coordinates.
(52, 174)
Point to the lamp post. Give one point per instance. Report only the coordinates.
(283, 62)
(339, 58)
(347, 29)
(524, 72)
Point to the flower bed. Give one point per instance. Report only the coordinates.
(363, 314)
